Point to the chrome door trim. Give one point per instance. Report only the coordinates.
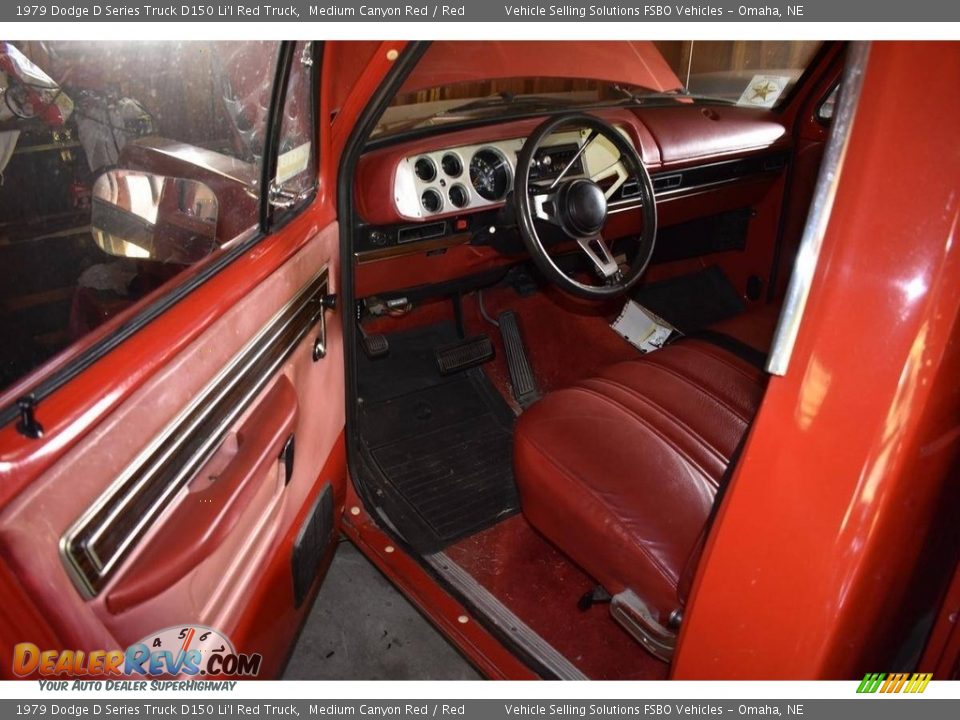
(104, 535)
(811, 243)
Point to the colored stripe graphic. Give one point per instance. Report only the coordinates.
(894, 682)
(871, 682)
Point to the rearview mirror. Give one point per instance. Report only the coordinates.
(152, 217)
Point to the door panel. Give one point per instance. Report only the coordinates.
(162, 491)
(249, 463)
(168, 571)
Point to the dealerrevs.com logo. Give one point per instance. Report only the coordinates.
(183, 650)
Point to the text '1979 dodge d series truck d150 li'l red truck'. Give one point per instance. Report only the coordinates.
(621, 360)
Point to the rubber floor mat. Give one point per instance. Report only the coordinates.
(442, 445)
(693, 301)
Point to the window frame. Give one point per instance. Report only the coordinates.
(277, 217)
(43, 380)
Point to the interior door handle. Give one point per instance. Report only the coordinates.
(205, 517)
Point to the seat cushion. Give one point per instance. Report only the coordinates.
(620, 471)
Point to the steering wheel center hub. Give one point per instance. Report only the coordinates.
(583, 208)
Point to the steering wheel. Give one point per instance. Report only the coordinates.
(577, 204)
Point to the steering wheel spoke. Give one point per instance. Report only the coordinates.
(545, 207)
(591, 136)
(595, 248)
(616, 170)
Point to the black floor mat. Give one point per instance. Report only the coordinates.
(694, 301)
(442, 445)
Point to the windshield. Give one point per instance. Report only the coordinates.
(756, 73)
(749, 73)
(462, 101)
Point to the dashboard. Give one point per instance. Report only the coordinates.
(471, 177)
(429, 208)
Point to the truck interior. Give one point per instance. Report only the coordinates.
(557, 478)
(557, 277)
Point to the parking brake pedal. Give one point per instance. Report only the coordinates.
(521, 373)
(374, 346)
(464, 354)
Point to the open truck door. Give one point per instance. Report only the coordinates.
(174, 473)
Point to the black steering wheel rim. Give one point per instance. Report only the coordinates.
(579, 226)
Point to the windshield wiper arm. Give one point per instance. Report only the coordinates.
(681, 94)
(641, 97)
(506, 99)
(530, 103)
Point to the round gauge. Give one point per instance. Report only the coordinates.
(451, 165)
(490, 174)
(431, 200)
(425, 169)
(459, 196)
(185, 638)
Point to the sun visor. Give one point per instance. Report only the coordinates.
(634, 63)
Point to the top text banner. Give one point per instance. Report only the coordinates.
(485, 11)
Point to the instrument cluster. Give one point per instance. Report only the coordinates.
(451, 180)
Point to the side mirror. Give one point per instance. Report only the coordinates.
(152, 217)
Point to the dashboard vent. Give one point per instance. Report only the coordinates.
(667, 182)
(413, 233)
(631, 188)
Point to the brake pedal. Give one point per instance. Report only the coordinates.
(464, 354)
(521, 373)
(374, 346)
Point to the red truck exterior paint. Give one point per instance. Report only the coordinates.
(837, 531)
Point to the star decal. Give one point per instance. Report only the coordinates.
(761, 90)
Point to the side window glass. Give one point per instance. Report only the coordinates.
(296, 175)
(121, 165)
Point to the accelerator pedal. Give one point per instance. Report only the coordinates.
(521, 373)
(464, 354)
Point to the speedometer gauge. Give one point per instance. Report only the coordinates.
(490, 174)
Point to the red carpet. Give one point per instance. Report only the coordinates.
(542, 587)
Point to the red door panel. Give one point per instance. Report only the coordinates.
(229, 521)
(163, 492)
(247, 464)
